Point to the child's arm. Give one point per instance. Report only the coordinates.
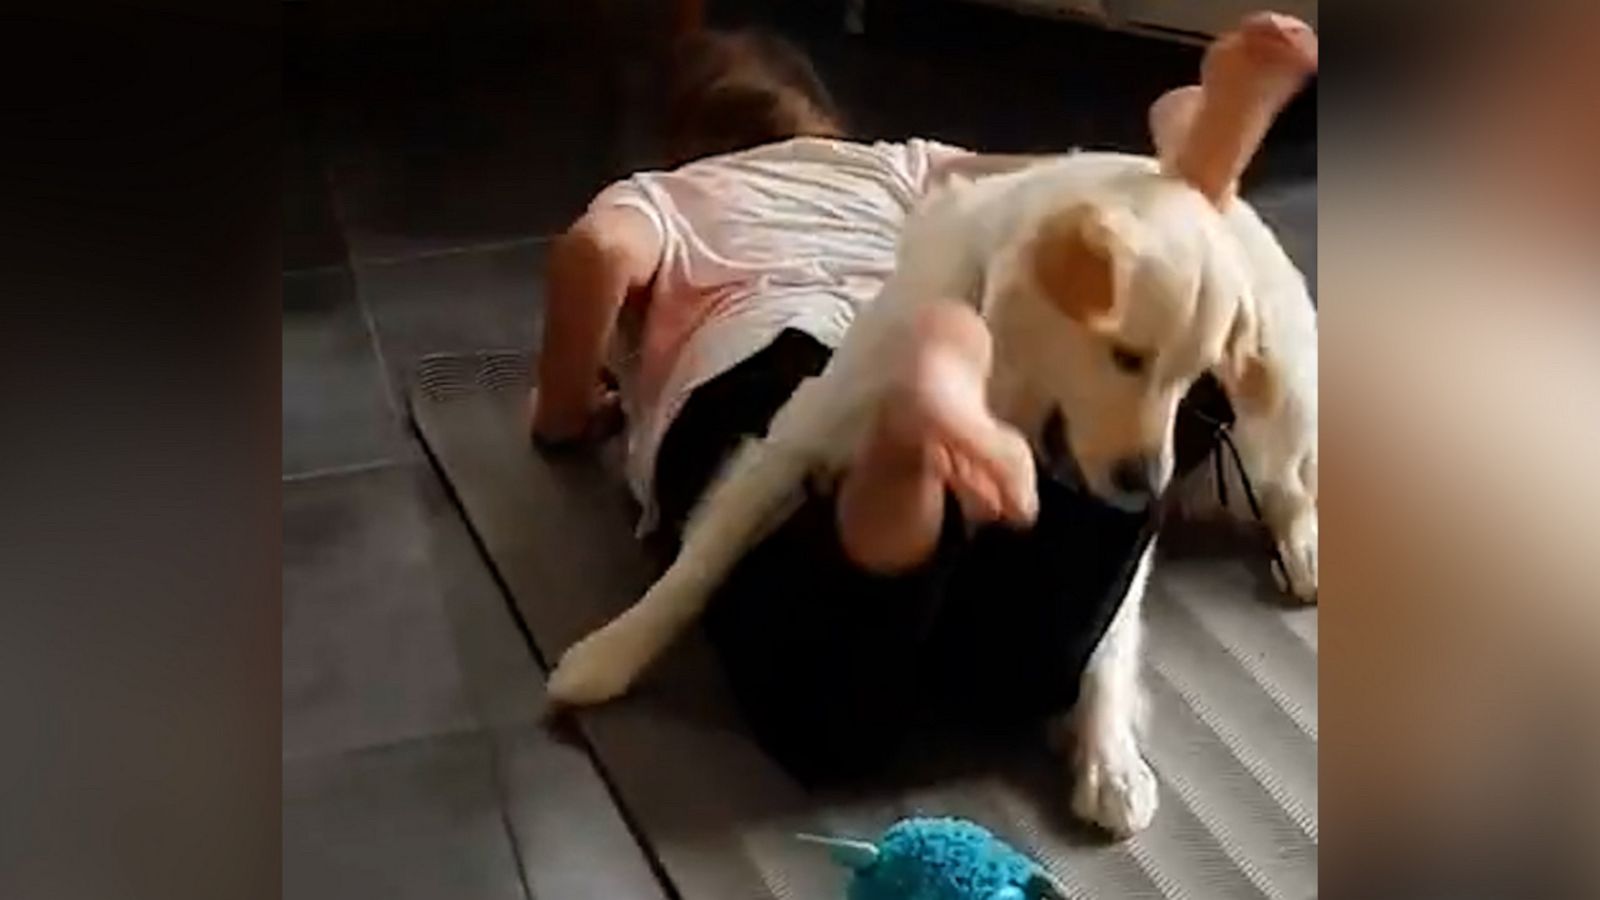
(603, 257)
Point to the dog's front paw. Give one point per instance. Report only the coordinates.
(1115, 787)
(593, 670)
(1298, 551)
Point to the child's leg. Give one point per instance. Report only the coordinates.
(821, 654)
(1208, 134)
(822, 626)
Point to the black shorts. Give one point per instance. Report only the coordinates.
(832, 665)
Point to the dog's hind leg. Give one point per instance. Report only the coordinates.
(1114, 786)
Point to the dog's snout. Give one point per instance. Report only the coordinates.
(1134, 476)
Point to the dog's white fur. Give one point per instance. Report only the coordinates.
(1190, 286)
(1278, 444)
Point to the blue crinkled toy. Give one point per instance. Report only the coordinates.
(939, 859)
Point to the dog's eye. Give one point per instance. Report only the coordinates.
(1127, 360)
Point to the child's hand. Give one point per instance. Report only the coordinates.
(599, 419)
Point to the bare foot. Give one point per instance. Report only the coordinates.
(941, 408)
(1247, 76)
(1267, 40)
(934, 432)
(1265, 60)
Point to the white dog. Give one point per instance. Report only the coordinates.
(1109, 284)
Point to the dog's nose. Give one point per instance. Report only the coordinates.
(1134, 476)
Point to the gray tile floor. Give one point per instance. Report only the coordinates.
(422, 179)
(413, 762)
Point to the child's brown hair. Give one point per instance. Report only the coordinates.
(735, 90)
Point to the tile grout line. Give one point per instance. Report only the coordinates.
(492, 733)
(502, 797)
(351, 260)
(635, 830)
(335, 471)
(386, 745)
(500, 789)
(458, 250)
(355, 266)
(314, 271)
(369, 321)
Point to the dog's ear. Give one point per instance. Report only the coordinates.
(1076, 256)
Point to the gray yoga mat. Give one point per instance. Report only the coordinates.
(1232, 679)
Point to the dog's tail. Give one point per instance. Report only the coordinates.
(758, 490)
